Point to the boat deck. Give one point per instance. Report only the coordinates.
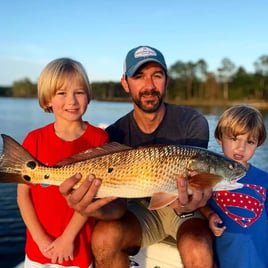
(160, 255)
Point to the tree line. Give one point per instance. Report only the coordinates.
(189, 81)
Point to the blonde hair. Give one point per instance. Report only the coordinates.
(53, 77)
(239, 120)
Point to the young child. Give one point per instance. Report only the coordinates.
(238, 218)
(55, 233)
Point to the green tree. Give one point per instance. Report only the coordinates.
(261, 67)
(226, 70)
(24, 88)
(201, 75)
(109, 91)
(5, 91)
(187, 77)
(243, 85)
(211, 87)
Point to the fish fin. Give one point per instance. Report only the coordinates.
(227, 187)
(161, 199)
(204, 180)
(102, 150)
(12, 160)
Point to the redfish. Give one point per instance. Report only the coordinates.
(149, 171)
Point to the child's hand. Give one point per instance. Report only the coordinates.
(43, 244)
(61, 250)
(215, 224)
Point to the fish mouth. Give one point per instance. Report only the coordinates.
(235, 179)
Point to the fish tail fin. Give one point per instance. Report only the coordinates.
(12, 160)
(204, 180)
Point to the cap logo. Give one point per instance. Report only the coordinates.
(138, 56)
(144, 52)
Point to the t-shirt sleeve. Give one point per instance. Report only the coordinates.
(198, 131)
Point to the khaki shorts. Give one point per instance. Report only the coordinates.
(157, 224)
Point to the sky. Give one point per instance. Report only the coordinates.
(99, 33)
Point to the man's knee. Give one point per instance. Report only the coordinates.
(194, 241)
(106, 234)
(196, 230)
(123, 234)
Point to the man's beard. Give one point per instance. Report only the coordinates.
(154, 105)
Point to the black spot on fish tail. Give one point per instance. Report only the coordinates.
(31, 164)
(27, 178)
(110, 170)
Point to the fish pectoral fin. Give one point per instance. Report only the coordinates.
(161, 199)
(204, 180)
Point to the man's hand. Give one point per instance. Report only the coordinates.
(83, 199)
(186, 202)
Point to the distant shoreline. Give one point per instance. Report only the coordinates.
(262, 105)
(259, 104)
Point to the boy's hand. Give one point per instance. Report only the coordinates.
(61, 250)
(216, 224)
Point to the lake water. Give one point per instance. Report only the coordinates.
(19, 116)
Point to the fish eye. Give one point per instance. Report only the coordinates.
(46, 176)
(231, 166)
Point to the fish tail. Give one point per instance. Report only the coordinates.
(14, 157)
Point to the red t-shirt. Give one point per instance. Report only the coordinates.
(51, 207)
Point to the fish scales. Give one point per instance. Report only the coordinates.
(153, 167)
(149, 171)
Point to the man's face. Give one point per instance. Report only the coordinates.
(147, 87)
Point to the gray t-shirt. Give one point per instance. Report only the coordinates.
(181, 125)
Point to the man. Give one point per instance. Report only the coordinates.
(152, 121)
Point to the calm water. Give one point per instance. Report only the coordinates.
(19, 116)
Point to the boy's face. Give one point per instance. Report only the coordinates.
(70, 101)
(240, 148)
(147, 87)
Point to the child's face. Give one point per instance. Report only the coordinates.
(240, 148)
(70, 101)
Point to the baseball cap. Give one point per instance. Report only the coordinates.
(140, 55)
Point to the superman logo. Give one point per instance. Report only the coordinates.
(244, 208)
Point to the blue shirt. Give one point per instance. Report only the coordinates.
(243, 211)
